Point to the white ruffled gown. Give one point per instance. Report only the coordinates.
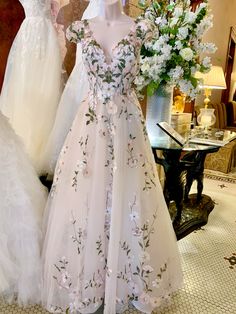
(109, 237)
(22, 201)
(74, 93)
(32, 83)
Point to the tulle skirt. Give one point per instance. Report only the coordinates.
(22, 200)
(109, 236)
(75, 91)
(32, 83)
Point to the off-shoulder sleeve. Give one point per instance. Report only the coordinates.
(145, 30)
(75, 32)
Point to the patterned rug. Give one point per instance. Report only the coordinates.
(208, 259)
(220, 176)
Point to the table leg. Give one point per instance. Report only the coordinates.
(194, 172)
(174, 178)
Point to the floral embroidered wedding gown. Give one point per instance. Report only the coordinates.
(74, 93)
(109, 235)
(31, 87)
(22, 201)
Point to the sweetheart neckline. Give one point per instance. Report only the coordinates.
(115, 46)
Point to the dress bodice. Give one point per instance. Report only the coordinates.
(36, 8)
(117, 75)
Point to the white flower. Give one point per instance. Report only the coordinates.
(206, 62)
(178, 45)
(166, 50)
(166, 44)
(174, 21)
(81, 305)
(160, 60)
(148, 268)
(161, 21)
(81, 165)
(112, 129)
(102, 132)
(204, 26)
(155, 302)
(167, 298)
(144, 298)
(158, 20)
(190, 17)
(155, 71)
(137, 232)
(134, 287)
(134, 215)
(111, 107)
(207, 48)
(145, 67)
(200, 7)
(187, 88)
(176, 73)
(186, 54)
(114, 166)
(182, 32)
(99, 117)
(144, 257)
(148, 15)
(63, 259)
(156, 282)
(65, 276)
(163, 39)
(58, 171)
(132, 162)
(193, 70)
(139, 80)
(178, 12)
(148, 45)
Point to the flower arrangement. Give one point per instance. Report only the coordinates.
(173, 56)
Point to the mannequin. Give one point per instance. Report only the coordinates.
(112, 22)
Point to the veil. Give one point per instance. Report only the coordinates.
(75, 91)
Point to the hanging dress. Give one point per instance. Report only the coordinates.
(75, 91)
(109, 237)
(31, 87)
(22, 201)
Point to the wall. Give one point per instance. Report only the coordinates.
(11, 16)
(224, 12)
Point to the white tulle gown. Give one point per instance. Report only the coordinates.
(75, 91)
(22, 200)
(31, 88)
(109, 235)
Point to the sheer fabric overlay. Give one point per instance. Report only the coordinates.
(22, 200)
(109, 237)
(32, 82)
(75, 92)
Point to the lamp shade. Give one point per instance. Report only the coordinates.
(214, 79)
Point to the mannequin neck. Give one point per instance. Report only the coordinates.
(112, 10)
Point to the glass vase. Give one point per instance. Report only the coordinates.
(206, 118)
(159, 107)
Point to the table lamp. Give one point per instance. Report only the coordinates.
(214, 79)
